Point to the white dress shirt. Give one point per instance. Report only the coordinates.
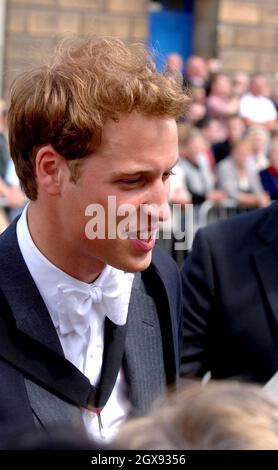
(81, 332)
(257, 108)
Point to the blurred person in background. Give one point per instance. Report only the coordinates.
(240, 84)
(221, 103)
(13, 198)
(238, 177)
(259, 139)
(274, 95)
(196, 113)
(16, 198)
(269, 176)
(174, 63)
(212, 131)
(214, 65)
(200, 178)
(222, 415)
(196, 72)
(255, 106)
(236, 130)
(4, 151)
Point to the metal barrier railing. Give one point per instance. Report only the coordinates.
(210, 212)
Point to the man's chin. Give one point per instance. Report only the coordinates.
(132, 265)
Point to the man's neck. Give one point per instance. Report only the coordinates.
(48, 237)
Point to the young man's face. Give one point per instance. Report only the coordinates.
(131, 166)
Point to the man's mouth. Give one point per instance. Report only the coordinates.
(144, 235)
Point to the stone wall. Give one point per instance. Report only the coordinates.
(242, 33)
(247, 35)
(33, 27)
(205, 28)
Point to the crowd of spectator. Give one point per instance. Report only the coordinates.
(228, 142)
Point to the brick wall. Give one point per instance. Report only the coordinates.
(247, 35)
(205, 30)
(34, 26)
(243, 33)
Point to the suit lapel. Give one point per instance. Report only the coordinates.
(164, 285)
(29, 311)
(50, 410)
(33, 347)
(144, 369)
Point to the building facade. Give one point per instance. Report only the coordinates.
(243, 34)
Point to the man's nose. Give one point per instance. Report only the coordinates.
(158, 206)
(160, 193)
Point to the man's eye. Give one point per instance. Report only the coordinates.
(137, 180)
(168, 174)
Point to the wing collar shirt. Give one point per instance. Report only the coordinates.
(78, 311)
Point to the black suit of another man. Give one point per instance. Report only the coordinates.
(230, 282)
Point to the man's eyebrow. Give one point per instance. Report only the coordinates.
(137, 172)
(130, 172)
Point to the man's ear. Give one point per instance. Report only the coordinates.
(49, 169)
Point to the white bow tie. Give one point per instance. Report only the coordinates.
(75, 303)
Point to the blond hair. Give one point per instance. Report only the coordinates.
(67, 101)
(219, 415)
